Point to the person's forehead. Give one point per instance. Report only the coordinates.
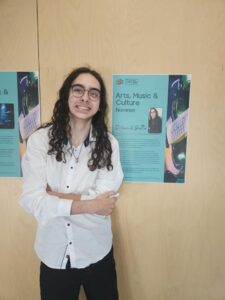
(87, 80)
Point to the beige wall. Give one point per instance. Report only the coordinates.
(169, 239)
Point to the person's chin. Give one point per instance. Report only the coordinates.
(84, 115)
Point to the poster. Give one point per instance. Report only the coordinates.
(19, 117)
(150, 120)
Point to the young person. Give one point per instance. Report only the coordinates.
(154, 122)
(72, 172)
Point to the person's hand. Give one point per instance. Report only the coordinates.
(104, 203)
(101, 205)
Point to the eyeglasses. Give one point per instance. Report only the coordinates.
(78, 91)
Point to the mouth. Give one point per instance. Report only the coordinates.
(83, 107)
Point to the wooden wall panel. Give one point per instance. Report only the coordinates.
(18, 52)
(168, 238)
(18, 32)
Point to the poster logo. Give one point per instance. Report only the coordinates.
(131, 81)
(127, 81)
(119, 81)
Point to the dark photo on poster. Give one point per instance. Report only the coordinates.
(6, 116)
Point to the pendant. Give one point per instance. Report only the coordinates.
(77, 157)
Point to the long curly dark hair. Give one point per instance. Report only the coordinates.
(60, 127)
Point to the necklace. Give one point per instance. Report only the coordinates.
(77, 157)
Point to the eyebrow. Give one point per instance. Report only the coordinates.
(82, 86)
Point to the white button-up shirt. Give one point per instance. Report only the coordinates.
(85, 238)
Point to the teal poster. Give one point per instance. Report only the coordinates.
(150, 121)
(19, 117)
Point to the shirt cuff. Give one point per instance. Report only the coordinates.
(64, 207)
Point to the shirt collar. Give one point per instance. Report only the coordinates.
(88, 140)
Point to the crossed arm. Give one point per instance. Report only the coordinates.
(101, 205)
(42, 202)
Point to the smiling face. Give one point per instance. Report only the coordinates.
(83, 107)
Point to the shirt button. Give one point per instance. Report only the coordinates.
(67, 186)
(70, 243)
(68, 224)
(71, 168)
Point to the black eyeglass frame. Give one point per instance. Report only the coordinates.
(85, 90)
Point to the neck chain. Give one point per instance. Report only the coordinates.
(77, 157)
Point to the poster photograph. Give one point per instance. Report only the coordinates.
(150, 120)
(19, 117)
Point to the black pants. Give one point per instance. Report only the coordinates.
(99, 281)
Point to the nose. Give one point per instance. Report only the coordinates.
(85, 96)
